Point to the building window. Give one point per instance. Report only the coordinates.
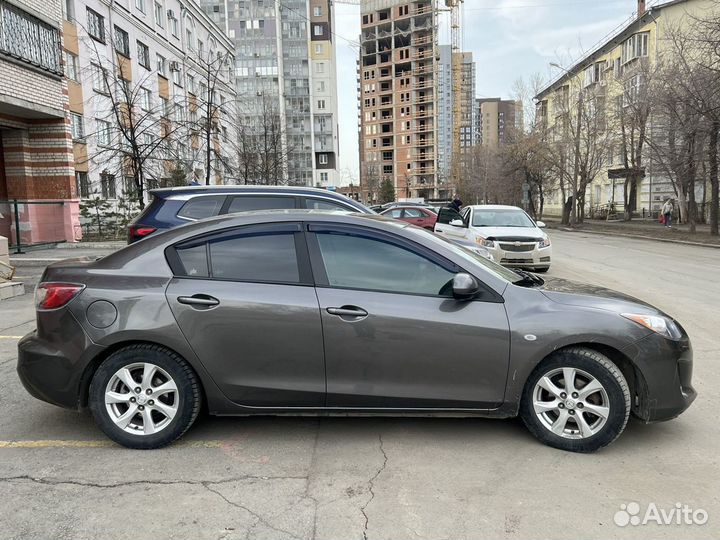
(321, 104)
(104, 132)
(319, 48)
(173, 25)
(317, 30)
(176, 74)
(161, 65)
(191, 84)
(317, 11)
(200, 48)
(145, 99)
(95, 25)
(159, 15)
(98, 78)
(69, 10)
(71, 66)
(165, 102)
(82, 184)
(122, 42)
(143, 55)
(140, 5)
(107, 185)
(323, 159)
(77, 127)
(635, 47)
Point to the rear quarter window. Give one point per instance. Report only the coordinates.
(202, 207)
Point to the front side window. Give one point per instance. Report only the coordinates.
(446, 215)
(250, 203)
(357, 262)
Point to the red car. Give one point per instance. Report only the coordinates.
(417, 215)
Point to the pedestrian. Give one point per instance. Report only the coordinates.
(667, 212)
(456, 204)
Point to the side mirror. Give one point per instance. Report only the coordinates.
(540, 224)
(457, 223)
(465, 286)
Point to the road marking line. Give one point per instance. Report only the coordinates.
(97, 444)
(10, 337)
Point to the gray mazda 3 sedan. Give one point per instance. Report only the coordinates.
(307, 312)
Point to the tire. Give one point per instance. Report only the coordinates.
(543, 410)
(166, 406)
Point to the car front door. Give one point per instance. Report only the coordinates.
(394, 335)
(245, 301)
(450, 223)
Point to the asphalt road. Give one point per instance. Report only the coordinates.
(378, 478)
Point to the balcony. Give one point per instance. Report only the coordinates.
(28, 39)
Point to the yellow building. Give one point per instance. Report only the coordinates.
(604, 91)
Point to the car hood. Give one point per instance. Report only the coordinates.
(510, 233)
(573, 293)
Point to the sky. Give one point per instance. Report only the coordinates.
(510, 39)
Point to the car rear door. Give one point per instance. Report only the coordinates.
(394, 336)
(245, 301)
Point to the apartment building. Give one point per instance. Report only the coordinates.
(609, 79)
(496, 120)
(446, 104)
(397, 76)
(286, 76)
(36, 160)
(171, 66)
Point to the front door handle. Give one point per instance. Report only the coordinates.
(348, 311)
(201, 300)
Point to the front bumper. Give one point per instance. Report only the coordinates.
(665, 368)
(535, 258)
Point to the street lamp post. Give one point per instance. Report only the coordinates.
(576, 135)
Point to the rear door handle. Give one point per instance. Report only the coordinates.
(199, 300)
(347, 311)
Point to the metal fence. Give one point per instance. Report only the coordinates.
(29, 39)
(16, 220)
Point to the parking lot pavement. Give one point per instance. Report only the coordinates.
(377, 478)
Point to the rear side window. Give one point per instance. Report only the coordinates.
(269, 257)
(202, 207)
(413, 213)
(252, 202)
(317, 204)
(194, 260)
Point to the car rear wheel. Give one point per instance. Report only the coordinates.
(144, 396)
(576, 400)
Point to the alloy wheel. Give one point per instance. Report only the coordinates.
(571, 403)
(141, 398)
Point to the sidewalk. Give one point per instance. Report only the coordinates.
(45, 255)
(644, 229)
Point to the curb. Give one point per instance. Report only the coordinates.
(638, 237)
(20, 263)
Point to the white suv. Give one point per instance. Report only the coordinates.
(511, 236)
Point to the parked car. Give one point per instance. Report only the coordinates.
(417, 215)
(301, 312)
(171, 207)
(513, 238)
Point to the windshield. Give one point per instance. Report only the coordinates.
(501, 218)
(491, 266)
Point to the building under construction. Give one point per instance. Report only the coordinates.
(397, 73)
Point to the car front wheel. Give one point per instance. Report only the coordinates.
(576, 400)
(144, 396)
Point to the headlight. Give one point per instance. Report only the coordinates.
(484, 253)
(658, 324)
(544, 243)
(483, 242)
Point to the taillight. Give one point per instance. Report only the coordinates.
(136, 232)
(55, 295)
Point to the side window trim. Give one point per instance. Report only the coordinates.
(232, 197)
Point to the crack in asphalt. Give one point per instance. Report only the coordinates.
(371, 488)
(16, 325)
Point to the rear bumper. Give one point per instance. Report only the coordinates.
(666, 370)
(53, 372)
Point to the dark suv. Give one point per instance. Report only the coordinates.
(172, 207)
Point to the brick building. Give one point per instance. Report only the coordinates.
(36, 153)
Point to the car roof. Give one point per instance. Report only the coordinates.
(296, 190)
(405, 207)
(494, 207)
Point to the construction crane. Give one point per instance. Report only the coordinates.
(457, 64)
